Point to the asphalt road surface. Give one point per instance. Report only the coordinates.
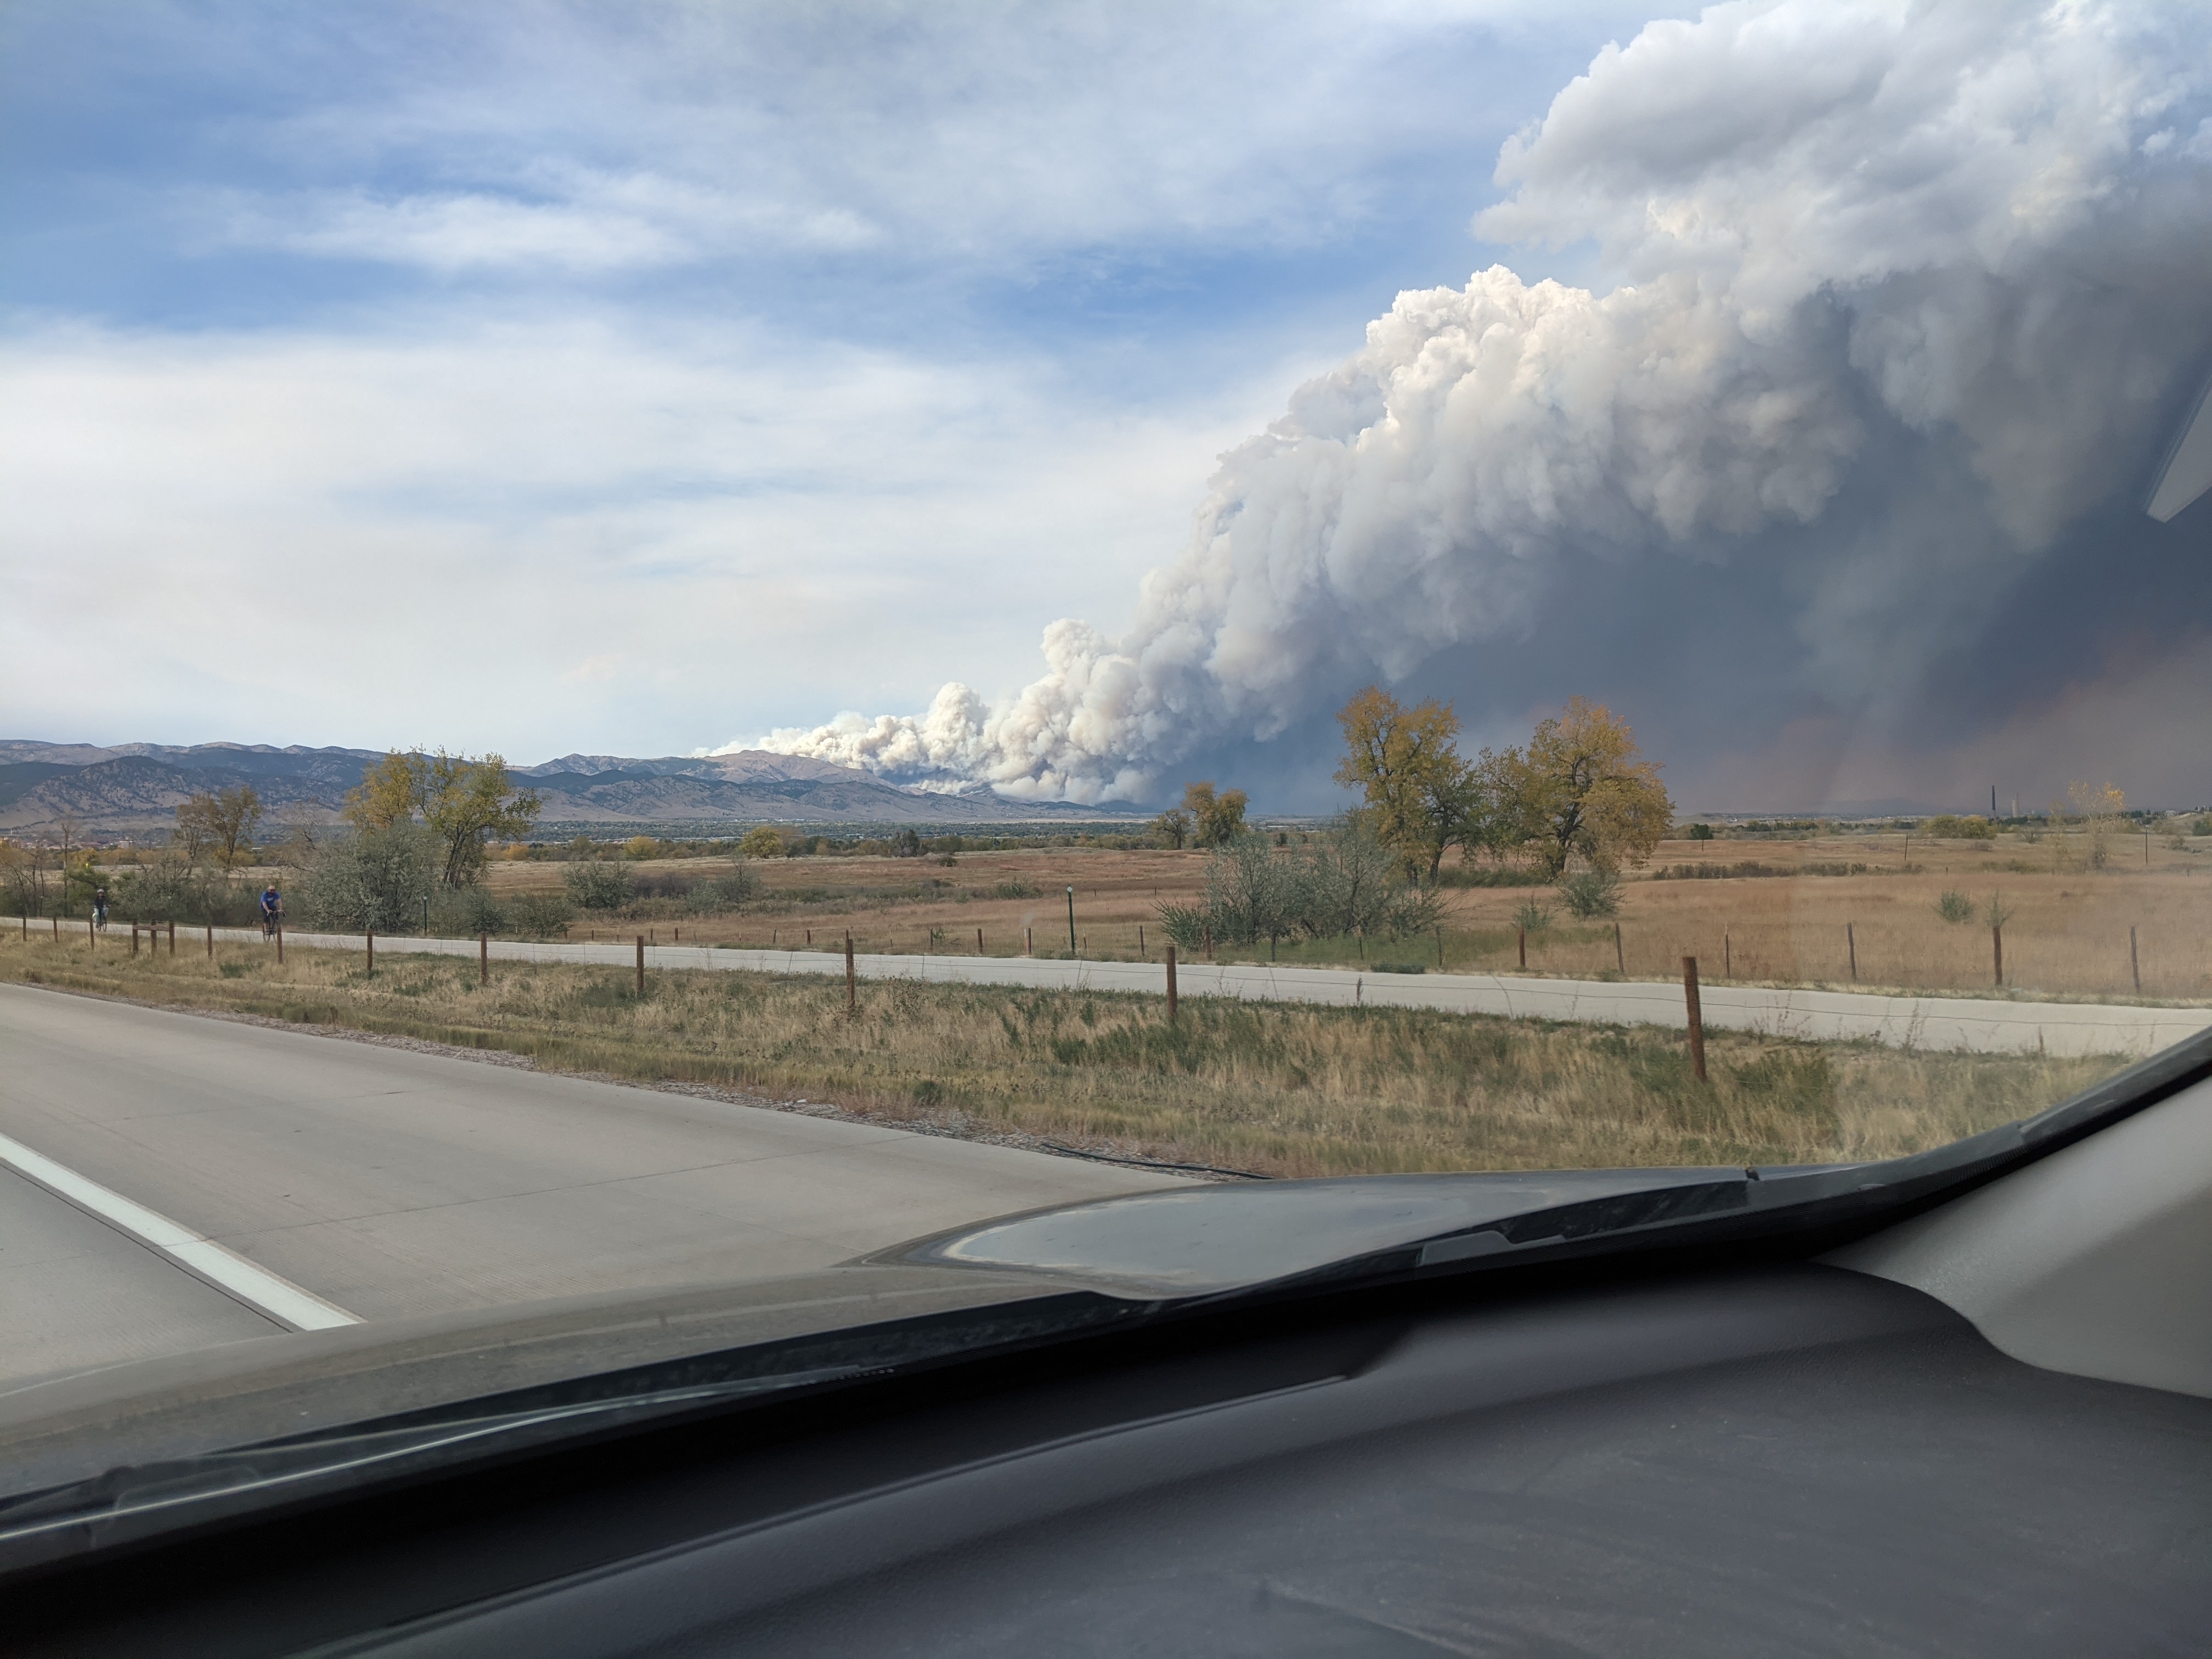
(168, 1181)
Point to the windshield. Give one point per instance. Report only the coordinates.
(653, 654)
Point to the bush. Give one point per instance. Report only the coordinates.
(1338, 884)
(1701, 832)
(1591, 894)
(596, 884)
(468, 911)
(1948, 828)
(1015, 888)
(170, 892)
(1955, 906)
(377, 879)
(539, 916)
(729, 892)
(1532, 917)
(1491, 875)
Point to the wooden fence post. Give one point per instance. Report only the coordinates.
(91, 937)
(2135, 961)
(484, 958)
(1171, 982)
(641, 964)
(979, 941)
(371, 953)
(1029, 941)
(1619, 955)
(1728, 956)
(134, 938)
(173, 939)
(1440, 950)
(1072, 947)
(1851, 943)
(852, 984)
(1520, 939)
(1143, 955)
(210, 928)
(280, 944)
(1697, 1017)
(1997, 948)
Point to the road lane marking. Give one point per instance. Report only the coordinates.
(249, 1281)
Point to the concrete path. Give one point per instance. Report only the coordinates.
(386, 1183)
(1979, 1024)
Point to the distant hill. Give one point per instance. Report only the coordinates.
(132, 790)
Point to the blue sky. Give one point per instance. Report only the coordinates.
(630, 378)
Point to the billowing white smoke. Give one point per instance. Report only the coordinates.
(1982, 225)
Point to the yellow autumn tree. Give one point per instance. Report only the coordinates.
(1422, 795)
(465, 803)
(1582, 788)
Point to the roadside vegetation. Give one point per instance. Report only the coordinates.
(1274, 1089)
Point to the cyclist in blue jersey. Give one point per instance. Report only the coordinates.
(272, 910)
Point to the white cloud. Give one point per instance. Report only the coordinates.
(537, 533)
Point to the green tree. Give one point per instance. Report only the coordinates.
(1172, 827)
(1582, 788)
(1217, 819)
(463, 802)
(1422, 795)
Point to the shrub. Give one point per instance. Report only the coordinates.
(1338, 883)
(1015, 888)
(642, 847)
(168, 892)
(729, 892)
(1701, 832)
(377, 879)
(596, 884)
(1590, 894)
(1954, 906)
(469, 910)
(1532, 917)
(539, 916)
(1950, 828)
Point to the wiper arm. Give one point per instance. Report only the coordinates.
(262, 1473)
(136, 1501)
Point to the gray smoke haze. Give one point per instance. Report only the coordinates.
(1911, 299)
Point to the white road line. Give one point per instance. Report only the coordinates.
(250, 1282)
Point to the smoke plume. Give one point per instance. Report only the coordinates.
(1905, 292)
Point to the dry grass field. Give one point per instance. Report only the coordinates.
(1271, 1089)
(2067, 932)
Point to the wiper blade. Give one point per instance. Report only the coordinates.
(262, 1473)
(137, 1501)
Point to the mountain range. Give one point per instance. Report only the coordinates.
(133, 789)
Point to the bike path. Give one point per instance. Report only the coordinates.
(1947, 1024)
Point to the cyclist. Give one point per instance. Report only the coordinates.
(272, 910)
(100, 908)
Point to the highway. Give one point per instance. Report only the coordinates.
(169, 1182)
